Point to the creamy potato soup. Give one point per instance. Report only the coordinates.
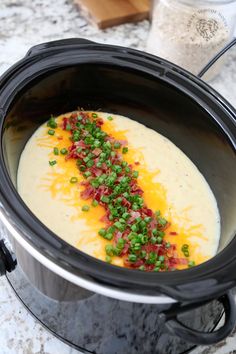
(119, 191)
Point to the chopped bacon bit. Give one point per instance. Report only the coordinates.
(80, 143)
(87, 193)
(163, 228)
(125, 250)
(84, 183)
(74, 115)
(64, 123)
(117, 236)
(149, 212)
(105, 219)
(122, 142)
(126, 203)
(99, 122)
(173, 233)
(97, 151)
(96, 171)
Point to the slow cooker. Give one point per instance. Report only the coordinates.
(94, 306)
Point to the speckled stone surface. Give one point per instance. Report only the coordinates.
(24, 23)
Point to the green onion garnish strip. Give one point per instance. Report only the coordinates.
(52, 163)
(73, 180)
(135, 232)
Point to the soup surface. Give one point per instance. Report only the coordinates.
(119, 192)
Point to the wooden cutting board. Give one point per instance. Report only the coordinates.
(108, 13)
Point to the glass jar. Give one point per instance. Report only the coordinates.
(189, 32)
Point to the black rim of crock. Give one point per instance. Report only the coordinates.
(204, 281)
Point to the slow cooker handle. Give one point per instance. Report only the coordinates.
(216, 57)
(40, 48)
(7, 258)
(177, 328)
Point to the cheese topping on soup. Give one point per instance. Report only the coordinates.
(119, 192)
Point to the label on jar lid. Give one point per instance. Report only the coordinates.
(208, 23)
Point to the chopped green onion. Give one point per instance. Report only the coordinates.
(122, 221)
(142, 224)
(148, 219)
(87, 174)
(94, 203)
(86, 159)
(109, 250)
(126, 216)
(82, 168)
(156, 269)
(94, 115)
(186, 253)
(119, 226)
(52, 163)
(142, 267)
(99, 164)
(159, 240)
(102, 232)
(97, 143)
(109, 118)
(85, 208)
(152, 258)
(117, 251)
(120, 243)
(51, 132)
(144, 239)
(52, 123)
(191, 264)
(108, 236)
(56, 151)
(184, 248)
(90, 163)
(143, 254)
(162, 221)
(117, 168)
(160, 234)
(137, 247)
(73, 180)
(117, 145)
(105, 199)
(134, 228)
(63, 151)
(125, 150)
(153, 240)
(135, 174)
(68, 126)
(126, 195)
(132, 258)
(108, 259)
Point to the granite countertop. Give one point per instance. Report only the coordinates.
(24, 23)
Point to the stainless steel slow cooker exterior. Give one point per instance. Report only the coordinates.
(46, 81)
